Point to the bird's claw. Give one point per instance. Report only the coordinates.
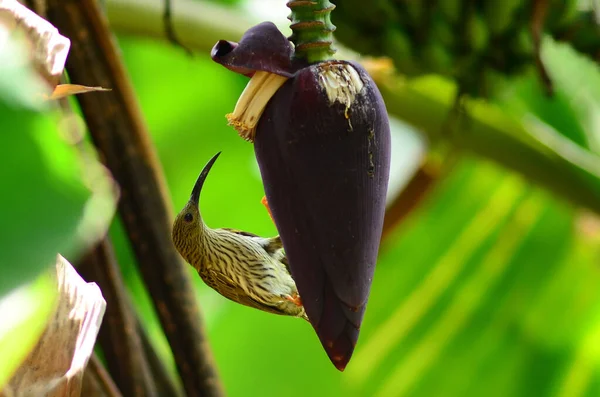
(266, 204)
(295, 299)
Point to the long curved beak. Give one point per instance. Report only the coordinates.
(195, 197)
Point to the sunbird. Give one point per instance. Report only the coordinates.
(241, 266)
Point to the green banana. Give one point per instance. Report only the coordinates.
(441, 30)
(499, 15)
(437, 59)
(478, 33)
(523, 43)
(399, 47)
(450, 9)
(415, 11)
(569, 13)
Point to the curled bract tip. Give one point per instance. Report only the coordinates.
(262, 48)
(222, 48)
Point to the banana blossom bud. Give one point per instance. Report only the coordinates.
(322, 141)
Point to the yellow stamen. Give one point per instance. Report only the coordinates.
(251, 104)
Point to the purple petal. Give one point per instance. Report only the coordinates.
(262, 47)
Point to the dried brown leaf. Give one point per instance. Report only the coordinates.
(48, 48)
(56, 365)
(64, 90)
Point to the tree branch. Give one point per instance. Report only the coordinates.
(164, 383)
(198, 24)
(118, 335)
(97, 382)
(119, 133)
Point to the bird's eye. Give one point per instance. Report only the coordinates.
(188, 217)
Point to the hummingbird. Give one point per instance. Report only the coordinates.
(241, 266)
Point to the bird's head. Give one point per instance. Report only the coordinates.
(188, 225)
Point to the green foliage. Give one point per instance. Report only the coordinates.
(468, 41)
(43, 193)
(476, 310)
(42, 188)
(25, 312)
(571, 111)
(520, 141)
(45, 208)
(490, 288)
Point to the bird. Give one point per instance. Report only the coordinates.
(241, 266)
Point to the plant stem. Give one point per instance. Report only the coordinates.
(119, 338)
(97, 381)
(118, 131)
(312, 30)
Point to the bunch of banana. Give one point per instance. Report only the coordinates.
(475, 42)
(582, 32)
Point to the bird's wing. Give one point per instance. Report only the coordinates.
(271, 245)
(240, 232)
(274, 244)
(226, 287)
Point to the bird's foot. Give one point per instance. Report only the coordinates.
(266, 204)
(295, 299)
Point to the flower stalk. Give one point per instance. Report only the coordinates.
(312, 30)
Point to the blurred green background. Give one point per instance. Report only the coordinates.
(489, 288)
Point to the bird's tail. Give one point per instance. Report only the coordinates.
(303, 315)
